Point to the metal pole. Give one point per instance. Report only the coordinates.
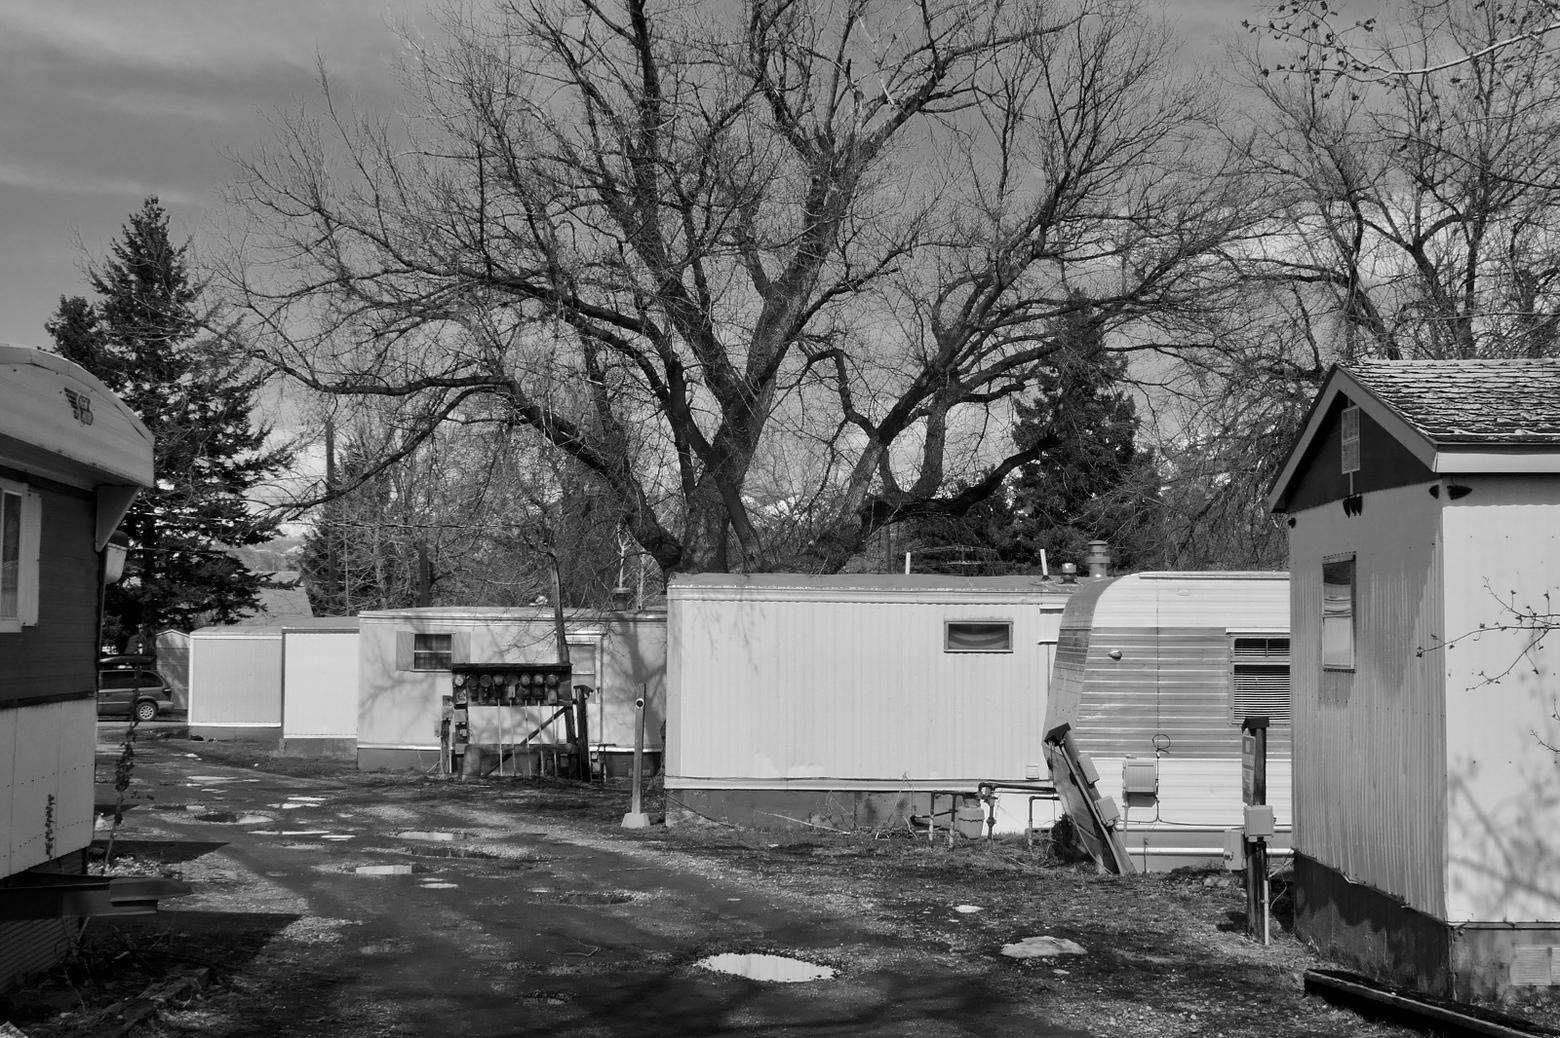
(636, 817)
(1255, 735)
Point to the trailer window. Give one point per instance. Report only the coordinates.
(978, 636)
(10, 555)
(1338, 613)
(1259, 678)
(20, 522)
(432, 651)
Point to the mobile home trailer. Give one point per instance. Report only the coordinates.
(72, 457)
(1159, 670)
(405, 673)
(849, 700)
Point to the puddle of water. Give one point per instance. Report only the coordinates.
(414, 834)
(336, 836)
(438, 885)
(775, 969)
(389, 870)
(966, 909)
(285, 832)
(213, 779)
(232, 818)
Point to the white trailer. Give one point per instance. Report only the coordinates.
(849, 700)
(405, 656)
(1158, 670)
(235, 689)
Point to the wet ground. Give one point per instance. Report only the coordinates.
(426, 909)
(333, 902)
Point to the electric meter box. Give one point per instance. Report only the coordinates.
(504, 684)
(1140, 782)
(1234, 850)
(1259, 821)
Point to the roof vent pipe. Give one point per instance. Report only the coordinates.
(1098, 559)
(1069, 573)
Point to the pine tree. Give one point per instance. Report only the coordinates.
(146, 338)
(1091, 479)
(1095, 481)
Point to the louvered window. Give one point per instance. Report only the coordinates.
(1259, 678)
(1351, 439)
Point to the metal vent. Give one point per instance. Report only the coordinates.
(1534, 966)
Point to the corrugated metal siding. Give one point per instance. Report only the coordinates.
(1369, 785)
(1503, 785)
(768, 691)
(319, 684)
(235, 678)
(1072, 651)
(1173, 682)
(32, 945)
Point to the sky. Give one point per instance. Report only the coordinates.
(103, 102)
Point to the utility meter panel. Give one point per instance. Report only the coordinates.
(512, 684)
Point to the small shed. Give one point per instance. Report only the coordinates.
(1423, 500)
(852, 698)
(405, 659)
(235, 683)
(1160, 669)
(72, 457)
(173, 663)
(320, 686)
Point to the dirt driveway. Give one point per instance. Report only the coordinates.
(348, 904)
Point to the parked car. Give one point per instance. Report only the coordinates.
(131, 661)
(138, 693)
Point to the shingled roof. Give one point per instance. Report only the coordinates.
(1457, 417)
(1486, 402)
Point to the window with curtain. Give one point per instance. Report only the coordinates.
(432, 651)
(1338, 612)
(10, 555)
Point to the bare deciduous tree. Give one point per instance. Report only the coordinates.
(1423, 210)
(770, 273)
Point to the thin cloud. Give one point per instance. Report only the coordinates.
(75, 183)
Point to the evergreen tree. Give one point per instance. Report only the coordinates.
(1089, 478)
(146, 339)
(1095, 481)
(357, 555)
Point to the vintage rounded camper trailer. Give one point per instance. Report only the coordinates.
(1155, 673)
(72, 457)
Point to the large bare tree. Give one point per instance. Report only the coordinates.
(1424, 208)
(770, 272)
